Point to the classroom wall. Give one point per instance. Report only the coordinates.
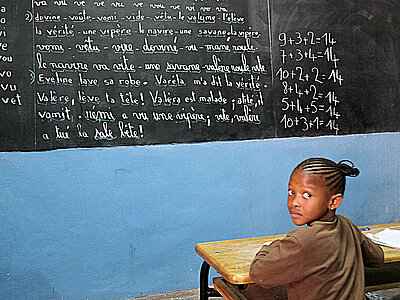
(113, 223)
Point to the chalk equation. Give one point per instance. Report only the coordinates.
(309, 73)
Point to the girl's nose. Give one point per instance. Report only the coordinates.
(295, 202)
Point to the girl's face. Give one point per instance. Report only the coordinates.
(308, 197)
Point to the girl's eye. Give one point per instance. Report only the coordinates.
(290, 192)
(307, 195)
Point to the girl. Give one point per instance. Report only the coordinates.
(326, 258)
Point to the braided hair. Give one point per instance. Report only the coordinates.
(333, 173)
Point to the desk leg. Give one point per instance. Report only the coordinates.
(205, 290)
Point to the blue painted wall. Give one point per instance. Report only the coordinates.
(114, 223)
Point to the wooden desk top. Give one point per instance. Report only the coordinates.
(232, 258)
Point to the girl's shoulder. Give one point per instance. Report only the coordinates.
(312, 234)
(345, 222)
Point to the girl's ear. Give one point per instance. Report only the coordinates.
(336, 201)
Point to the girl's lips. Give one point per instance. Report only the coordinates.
(295, 214)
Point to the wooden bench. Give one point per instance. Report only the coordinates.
(248, 292)
(232, 260)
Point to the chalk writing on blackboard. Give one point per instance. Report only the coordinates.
(16, 108)
(9, 89)
(132, 72)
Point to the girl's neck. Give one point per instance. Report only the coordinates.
(329, 216)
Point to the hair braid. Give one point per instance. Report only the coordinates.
(333, 173)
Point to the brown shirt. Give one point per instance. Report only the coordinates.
(324, 260)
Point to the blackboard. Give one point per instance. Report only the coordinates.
(94, 73)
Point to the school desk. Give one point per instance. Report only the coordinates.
(232, 260)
